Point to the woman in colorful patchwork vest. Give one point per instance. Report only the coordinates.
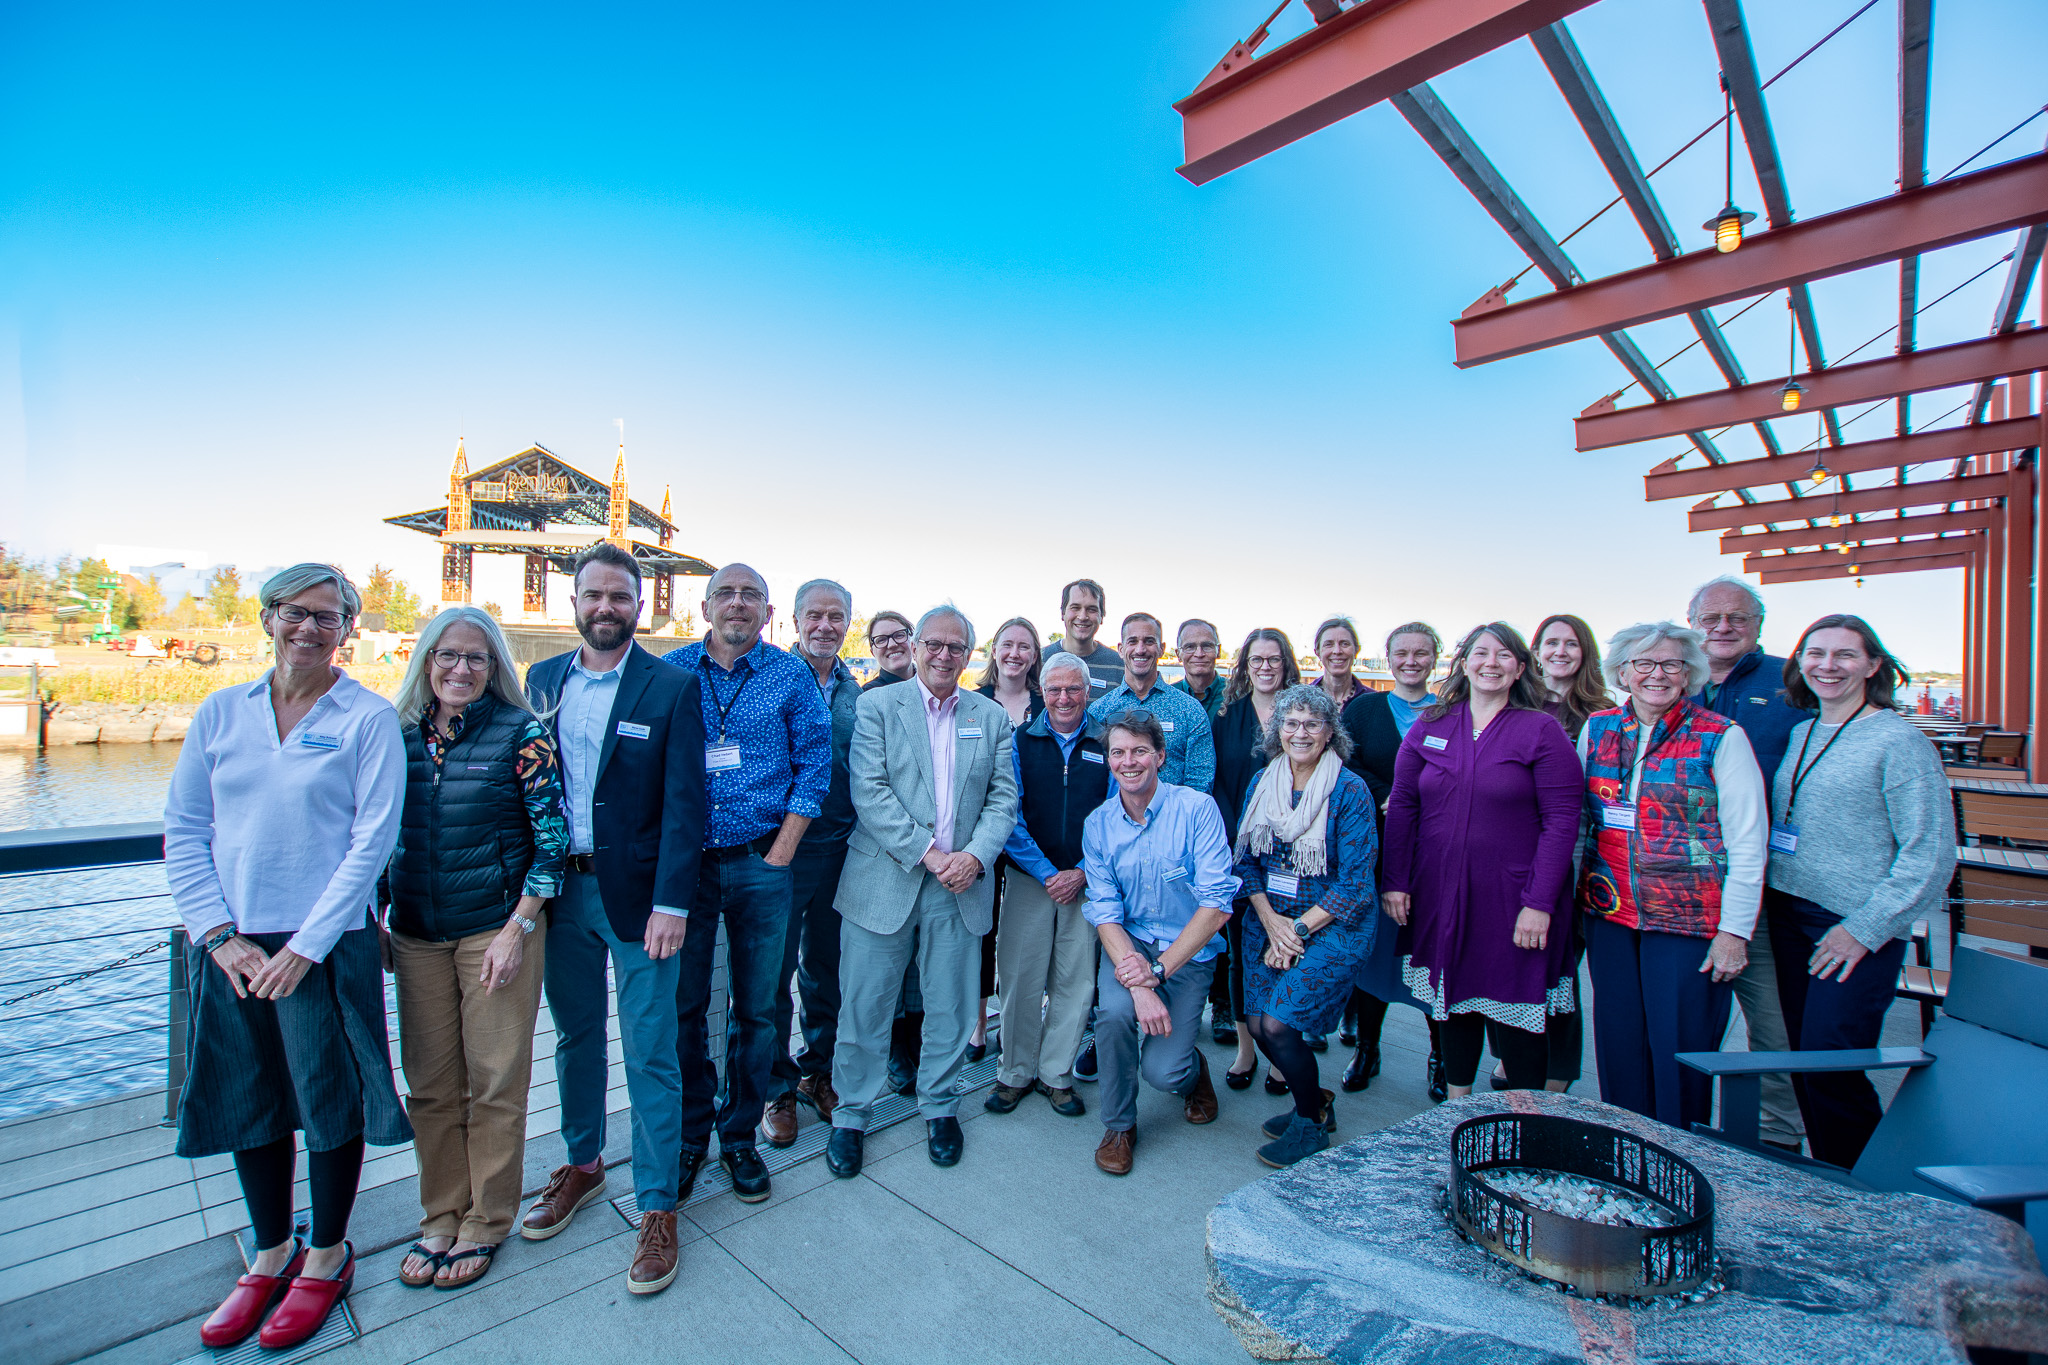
(1671, 872)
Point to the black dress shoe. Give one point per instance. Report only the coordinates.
(692, 1160)
(976, 1051)
(1498, 1079)
(1237, 1080)
(1225, 1035)
(943, 1141)
(1439, 1088)
(1317, 1042)
(842, 1153)
(1365, 1064)
(749, 1174)
(1274, 1085)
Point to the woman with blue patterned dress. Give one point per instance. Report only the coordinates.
(1306, 847)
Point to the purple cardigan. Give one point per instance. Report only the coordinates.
(1476, 830)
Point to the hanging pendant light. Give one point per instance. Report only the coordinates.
(1857, 568)
(1789, 396)
(1727, 225)
(1820, 473)
(1844, 549)
(1793, 391)
(1835, 520)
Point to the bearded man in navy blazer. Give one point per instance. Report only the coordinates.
(630, 731)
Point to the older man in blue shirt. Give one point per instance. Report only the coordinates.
(1159, 893)
(1190, 759)
(768, 767)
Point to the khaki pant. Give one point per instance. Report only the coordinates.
(1045, 964)
(1756, 990)
(468, 1058)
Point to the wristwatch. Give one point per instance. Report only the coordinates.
(1301, 930)
(526, 926)
(1159, 969)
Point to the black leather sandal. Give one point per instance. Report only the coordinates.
(434, 1259)
(454, 1258)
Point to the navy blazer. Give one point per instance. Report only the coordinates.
(648, 806)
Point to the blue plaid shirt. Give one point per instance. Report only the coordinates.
(768, 704)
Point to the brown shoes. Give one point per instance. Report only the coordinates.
(568, 1190)
(655, 1256)
(1113, 1154)
(817, 1092)
(1201, 1105)
(778, 1124)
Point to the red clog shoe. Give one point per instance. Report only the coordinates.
(242, 1311)
(306, 1306)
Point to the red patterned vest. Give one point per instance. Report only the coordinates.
(1664, 875)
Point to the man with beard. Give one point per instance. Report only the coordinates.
(768, 766)
(630, 732)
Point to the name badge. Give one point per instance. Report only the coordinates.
(1617, 816)
(1090, 756)
(721, 758)
(632, 731)
(312, 741)
(1435, 742)
(1097, 682)
(1283, 884)
(1784, 838)
(1760, 701)
(970, 732)
(1166, 727)
(1175, 873)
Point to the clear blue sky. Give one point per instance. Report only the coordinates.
(912, 298)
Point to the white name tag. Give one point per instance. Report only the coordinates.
(721, 758)
(1614, 816)
(1175, 873)
(1090, 756)
(1097, 682)
(321, 741)
(1283, 884)
(970, 732)
(632, 731)
(1784, 838)
(1435, 742)
(1166, 727)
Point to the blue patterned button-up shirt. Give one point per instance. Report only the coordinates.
(1190, 746)
(768, 704)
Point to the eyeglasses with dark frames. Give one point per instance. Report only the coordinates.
(293, 613)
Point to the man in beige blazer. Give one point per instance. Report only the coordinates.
(934, 798)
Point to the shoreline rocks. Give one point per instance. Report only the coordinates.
(151, 722)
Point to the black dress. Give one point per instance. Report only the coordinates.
(1237, 732)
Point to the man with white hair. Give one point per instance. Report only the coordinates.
(1748, 686)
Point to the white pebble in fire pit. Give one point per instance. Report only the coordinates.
(1577, 1197)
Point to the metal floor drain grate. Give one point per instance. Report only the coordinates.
(339, 1330)
(810, 1141)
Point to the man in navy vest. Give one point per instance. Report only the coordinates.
(1045, 956)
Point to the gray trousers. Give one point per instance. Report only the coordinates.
(1169, 1061)
(1045, 967)
(1756, 990)
(870, 982)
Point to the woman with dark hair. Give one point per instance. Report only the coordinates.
(1377, 722)
(1573, 687)
(1862, 844)
(1305, 850)
(1014, 657)
(1264, 668)
(1336, 649)
(1480, 828)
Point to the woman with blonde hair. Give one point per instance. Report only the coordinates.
(481, 848)
(1014, 658)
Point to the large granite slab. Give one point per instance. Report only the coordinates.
(1348, 1257)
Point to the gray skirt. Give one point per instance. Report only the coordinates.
(317, 1061)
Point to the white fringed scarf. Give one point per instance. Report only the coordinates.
(1270, 819)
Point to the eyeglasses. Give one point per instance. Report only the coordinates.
(1265, 663)
(751, 596)
(891, 640)
(450, 659)
(1202, 647)
(1646, 667)
(1737, 619)
(1308, 726)
(945, 648)
(292, 613)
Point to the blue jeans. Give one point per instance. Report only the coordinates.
(579, 940)
(754, 899)
(810, 957)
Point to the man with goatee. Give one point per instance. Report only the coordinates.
(630, 732)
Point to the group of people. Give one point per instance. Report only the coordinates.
(1103, 853)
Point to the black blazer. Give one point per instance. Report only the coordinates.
(648, 805)
(1375, 739)
(1238, 761)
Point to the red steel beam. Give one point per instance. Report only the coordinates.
(1924, 447)
(1869, 554)
(2036, 759)
(1966, 362)
(1857, 532)
(1769, 576)
(2021, 646)
(1247, 107)
(1932, 492)
(1903, 225)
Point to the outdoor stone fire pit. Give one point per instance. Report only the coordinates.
(1356, 1255)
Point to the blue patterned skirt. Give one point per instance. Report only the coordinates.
(1310, 995)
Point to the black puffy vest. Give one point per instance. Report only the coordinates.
(464, 842)
(1057, 795)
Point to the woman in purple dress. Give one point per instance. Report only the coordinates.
(1478, 861)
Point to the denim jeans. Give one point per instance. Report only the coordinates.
(754, 899)
(810, 957)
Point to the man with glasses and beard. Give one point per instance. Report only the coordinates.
(630, 732)
(768, 767)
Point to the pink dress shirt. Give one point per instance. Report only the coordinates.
(938, 724)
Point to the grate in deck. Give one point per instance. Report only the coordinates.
(339, 1330)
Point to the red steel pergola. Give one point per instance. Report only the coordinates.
(1965, 496)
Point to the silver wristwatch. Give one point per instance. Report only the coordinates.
(526, 926)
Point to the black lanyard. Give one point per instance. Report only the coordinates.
(1800, 767)
(725, 708)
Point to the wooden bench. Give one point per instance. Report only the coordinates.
(1983, 877)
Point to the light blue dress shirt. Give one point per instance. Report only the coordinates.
(586, 706)
(1152, 877)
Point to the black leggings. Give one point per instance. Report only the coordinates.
(1289, 1053)
(1525, 1055)
(266, 1175)
(1371, 1013)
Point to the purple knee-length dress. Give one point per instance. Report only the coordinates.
(1476, 830)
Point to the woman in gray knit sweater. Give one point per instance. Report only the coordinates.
(1862, 843)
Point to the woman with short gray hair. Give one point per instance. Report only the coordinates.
(480, 852)
(1671, 872)
(283, 808)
